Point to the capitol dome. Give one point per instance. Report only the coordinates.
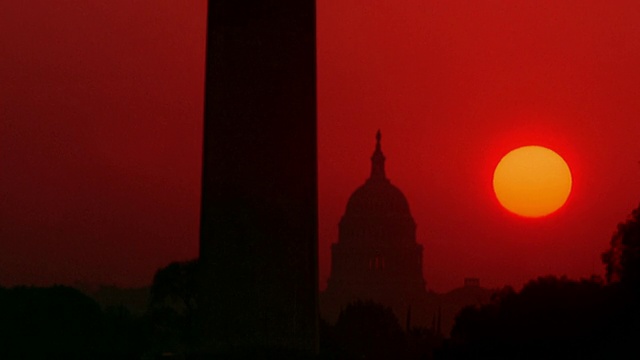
(376, 256)
(377, 197)
(377, 212)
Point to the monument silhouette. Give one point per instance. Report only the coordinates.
(377, 257)
(258, 244)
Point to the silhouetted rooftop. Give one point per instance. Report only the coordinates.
(377, 197)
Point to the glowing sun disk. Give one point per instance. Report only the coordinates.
(532, 181)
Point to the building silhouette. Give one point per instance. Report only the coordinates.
(258, 239)
(377, 257)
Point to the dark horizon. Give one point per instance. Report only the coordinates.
(451, 87)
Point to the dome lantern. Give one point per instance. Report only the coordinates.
(377, 161)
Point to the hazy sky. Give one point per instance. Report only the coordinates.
(101, 130)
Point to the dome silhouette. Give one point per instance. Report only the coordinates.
(377, 199)
(376, 257)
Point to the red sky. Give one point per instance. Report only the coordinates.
(101, 124)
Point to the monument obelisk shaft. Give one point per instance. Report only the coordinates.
(258, 246)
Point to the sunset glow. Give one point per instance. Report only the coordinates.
(532, 181)
(101, 131)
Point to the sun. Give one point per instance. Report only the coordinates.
(532, 181)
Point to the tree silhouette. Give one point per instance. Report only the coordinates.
(176, 285)
(49, 322)
(368, 330)
(126, 335)
(61, 322)
(173, 305)
(622, 260)
(549, 318)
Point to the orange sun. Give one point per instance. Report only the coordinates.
(532, 181)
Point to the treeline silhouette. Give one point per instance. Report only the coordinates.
(59, 321)
(558, 318)
(66, 323)
(368, 330)
(549, 318)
